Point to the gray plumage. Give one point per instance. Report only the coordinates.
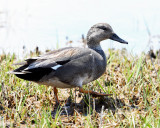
(72, 66)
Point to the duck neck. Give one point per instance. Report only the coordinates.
(99, 50)
(97, 47)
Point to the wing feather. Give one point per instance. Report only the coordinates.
(54, 58)
(37, 67)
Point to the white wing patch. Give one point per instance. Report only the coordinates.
(56, 67)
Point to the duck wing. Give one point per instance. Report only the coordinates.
(34, 69)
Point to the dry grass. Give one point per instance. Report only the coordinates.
(132, 80)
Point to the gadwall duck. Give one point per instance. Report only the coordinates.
(71, 67)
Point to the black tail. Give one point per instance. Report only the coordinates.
(34, 74)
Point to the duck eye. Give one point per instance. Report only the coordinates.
(103, 28)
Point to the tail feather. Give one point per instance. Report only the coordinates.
(34, 74)
(13, 72)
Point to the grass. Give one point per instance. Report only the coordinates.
(131, 79)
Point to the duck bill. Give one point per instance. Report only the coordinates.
(117, 38)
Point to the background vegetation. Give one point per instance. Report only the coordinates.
(133, 82)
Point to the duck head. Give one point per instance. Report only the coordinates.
(100, 32)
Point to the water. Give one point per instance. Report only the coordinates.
(32, 23)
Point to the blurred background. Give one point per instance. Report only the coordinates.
(52, 24)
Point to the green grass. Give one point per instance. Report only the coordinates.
(132, 80)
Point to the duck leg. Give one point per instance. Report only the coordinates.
(94, 94)
(55, 94)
